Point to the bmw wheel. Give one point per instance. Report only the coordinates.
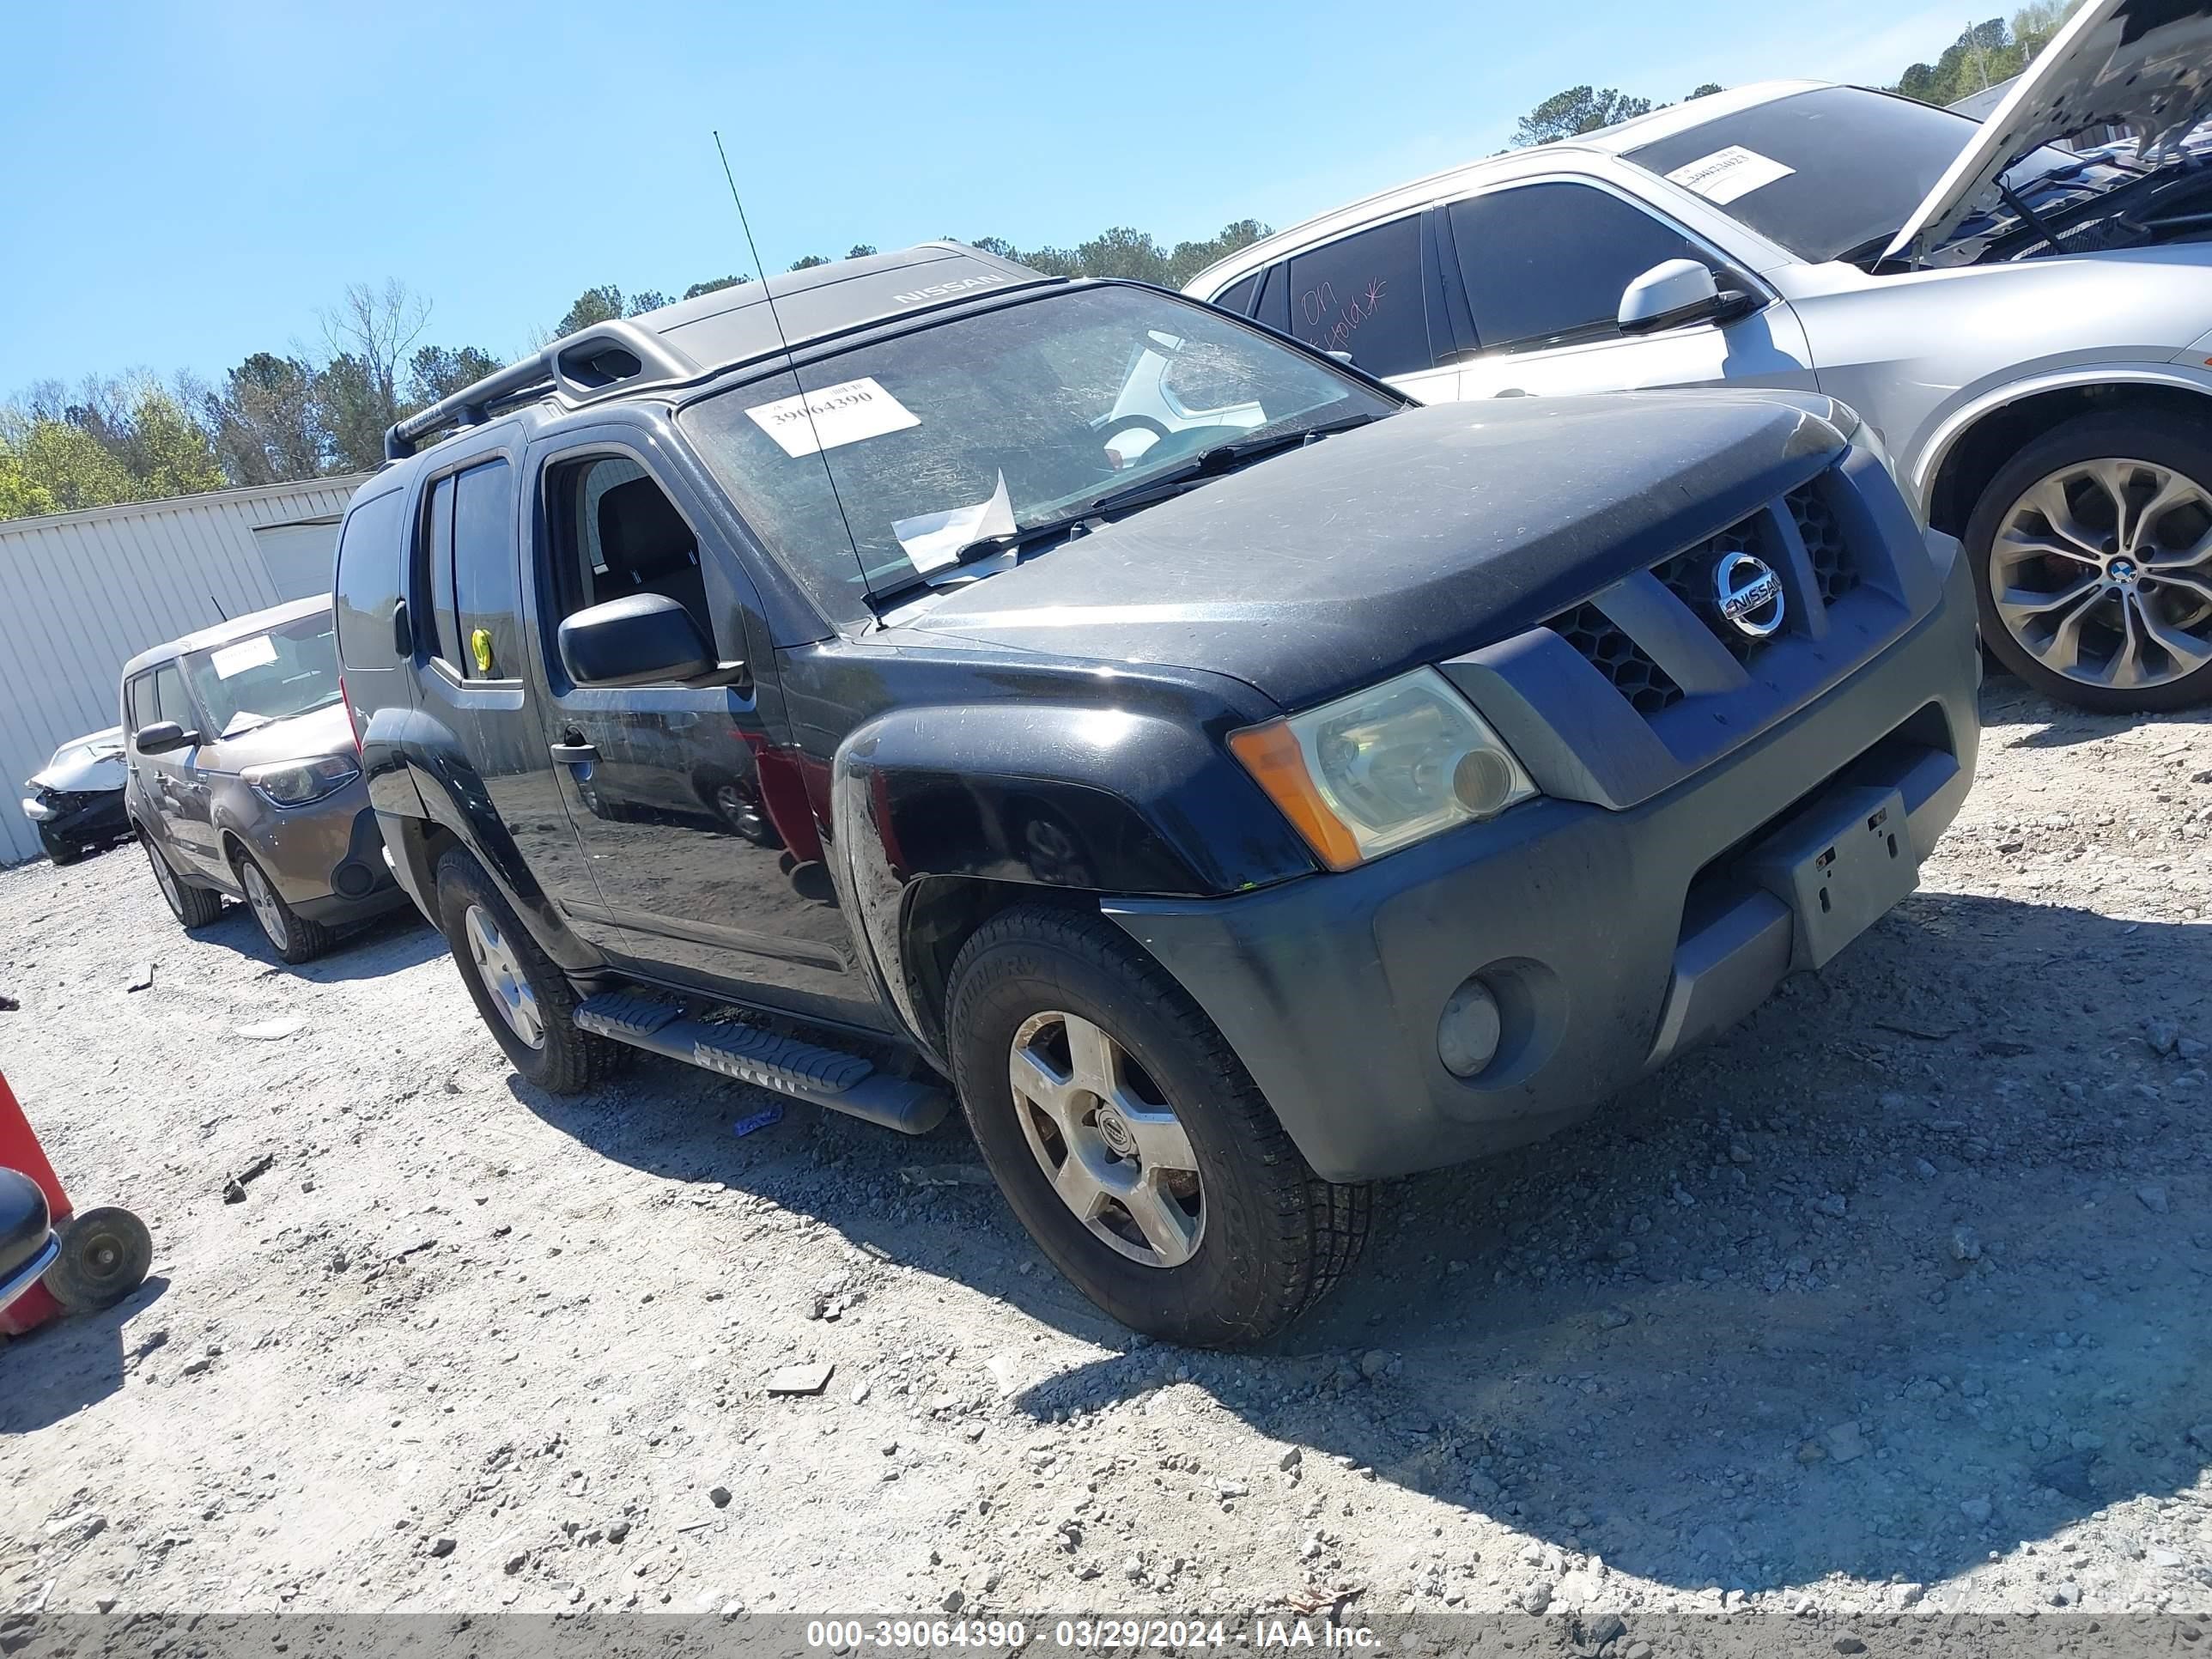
(2092, 562)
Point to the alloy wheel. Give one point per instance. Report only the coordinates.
(267, 910)
(1108, 1139)
(2102, 572)
(502, 976)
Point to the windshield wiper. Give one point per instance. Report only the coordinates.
(1208, 463)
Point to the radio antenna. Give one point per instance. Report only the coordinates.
(784, 341)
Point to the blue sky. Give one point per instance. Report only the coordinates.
(191, 182)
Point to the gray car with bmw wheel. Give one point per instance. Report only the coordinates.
(1230, 783)
(2027, 328)
(242, 781)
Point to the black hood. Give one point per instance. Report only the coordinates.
(1416, 538)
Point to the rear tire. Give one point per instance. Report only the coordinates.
(2029, 633)
(1253, 1236)
(193, 907)
(290, 934)
(520, 992)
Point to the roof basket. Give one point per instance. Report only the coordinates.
(586, 364)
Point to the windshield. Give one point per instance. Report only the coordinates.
(1825, 174)
(266, 677)
(993, 423)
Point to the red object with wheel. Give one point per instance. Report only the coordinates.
(53, 1259)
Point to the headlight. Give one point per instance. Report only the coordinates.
(1384, 769)
(298, 783)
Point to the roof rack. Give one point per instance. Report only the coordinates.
(614, 353)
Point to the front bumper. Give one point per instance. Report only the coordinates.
(1617, 939)
(327, 860)
(95, 815)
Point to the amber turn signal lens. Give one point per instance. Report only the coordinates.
(1272, 755)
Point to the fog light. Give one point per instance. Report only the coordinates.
(1469, 1032)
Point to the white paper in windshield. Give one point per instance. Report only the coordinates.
(1727, 174)
(934, 540)
(835, 416)
(247, 653)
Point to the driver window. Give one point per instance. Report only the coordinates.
(1545, 264)
(615, 532)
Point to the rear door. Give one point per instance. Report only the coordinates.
(1543, 265)
(1376, 294)
(477, 730)
(701, 876)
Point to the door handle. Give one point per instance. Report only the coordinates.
(573, 754)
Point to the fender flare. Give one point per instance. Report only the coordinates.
(1954, 426)
(1065, 801)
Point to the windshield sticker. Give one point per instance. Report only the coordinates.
(1727, 174)
(934, 540)
(835, 416)
(233, 660)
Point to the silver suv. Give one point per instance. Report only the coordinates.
(2027, 328)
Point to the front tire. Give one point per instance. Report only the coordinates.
(293, 936)
(2092, 556)
(1131, 1141)
(522, 995)
(193, 907)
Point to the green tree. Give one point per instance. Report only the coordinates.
(21, 498)
(262, 421)
(807, 262)
(1706, 90)
(438, 371)
(644, 299)
(1575, 112)
(165, 450)
(1985, 53)
(859, 250)
(716, 286)
(63, 464)
(353, 406)
(593, 305)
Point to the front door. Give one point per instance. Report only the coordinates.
(1544, 265)
(702, 874)
(181, 804)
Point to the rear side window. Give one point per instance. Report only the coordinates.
(468, 556)
(487, 584)
(1362, 294)
(1238, 296)
(368, 581)
(1546, 265)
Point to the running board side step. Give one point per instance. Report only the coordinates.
(841, 1082)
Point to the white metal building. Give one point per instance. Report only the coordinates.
(81, 593)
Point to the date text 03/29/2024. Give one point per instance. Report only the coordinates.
(1085, 1635)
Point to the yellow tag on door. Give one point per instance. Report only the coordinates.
(480, 648)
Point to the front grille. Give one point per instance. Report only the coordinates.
(1689, 577)
(1647, 686)
(1834, 572)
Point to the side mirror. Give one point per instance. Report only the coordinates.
(640, 639)
(162, 737)
(1678, 293)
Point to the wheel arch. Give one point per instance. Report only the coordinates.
(1973, 446)
(941, 914)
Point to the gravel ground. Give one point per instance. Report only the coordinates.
(1896, 1298)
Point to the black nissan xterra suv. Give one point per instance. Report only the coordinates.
(1240, 783)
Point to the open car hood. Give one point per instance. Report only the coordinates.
(2143, 64)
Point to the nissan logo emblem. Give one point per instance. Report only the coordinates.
(1750, 593)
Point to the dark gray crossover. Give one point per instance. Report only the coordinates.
(1239, 783)
(244, 781)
